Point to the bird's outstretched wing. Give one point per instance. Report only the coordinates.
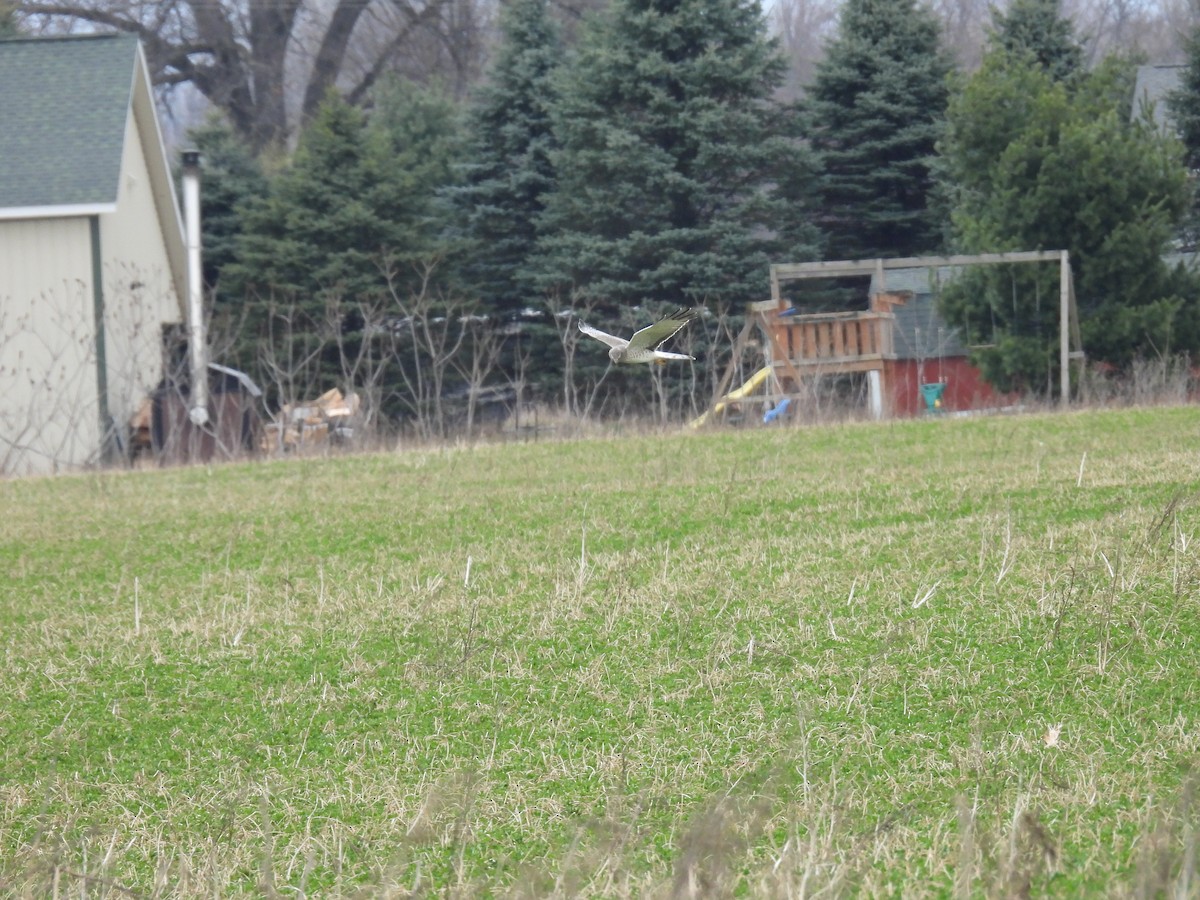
(653, 336)
(611, 339)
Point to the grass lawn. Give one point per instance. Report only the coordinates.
(933, 657)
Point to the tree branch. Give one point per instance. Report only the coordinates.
(416, 19)
(328, 61)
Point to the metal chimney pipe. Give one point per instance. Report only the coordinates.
(197, 349)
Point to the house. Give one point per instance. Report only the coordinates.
(1152, 86)
(92, 253)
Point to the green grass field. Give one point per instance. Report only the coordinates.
(933, 658)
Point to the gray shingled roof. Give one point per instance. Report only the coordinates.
(1152, 86)
(921, 333)
(63, 107)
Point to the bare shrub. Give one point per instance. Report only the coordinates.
(1146, 382)
(425, 337)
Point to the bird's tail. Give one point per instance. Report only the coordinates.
(663, 355)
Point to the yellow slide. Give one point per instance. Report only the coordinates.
(752, 384)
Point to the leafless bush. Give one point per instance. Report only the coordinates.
(476, 365)
(45, 366)
(361, 362)
(425, 337)
(566, 319)
(1146, 382)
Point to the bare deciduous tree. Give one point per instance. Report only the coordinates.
(963, 24)
(267, 64)
(803, 27)
(289, 354)
(362, 360)
(1151, 28)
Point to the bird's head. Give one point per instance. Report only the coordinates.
(614, 354)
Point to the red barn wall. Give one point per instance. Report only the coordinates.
(965, 387)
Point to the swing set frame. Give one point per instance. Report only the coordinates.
(1070, 341)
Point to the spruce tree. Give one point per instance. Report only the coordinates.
(315, 232)
(677, 179)
(351, 224)
(877, 107)
(232, 177)
(357, 195)
(508, 170)
(1184, 107)
(1037, 28)
(1184, 102)
(414, 162)
(309, 249)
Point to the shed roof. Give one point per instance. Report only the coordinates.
(920, 332)
(63, 106)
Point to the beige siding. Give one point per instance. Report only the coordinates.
(49, 408)
(139, 290)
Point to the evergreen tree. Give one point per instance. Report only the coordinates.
(351, 223)
(232, 177)
(509, 171)
(417, 148)
(1184, 107)
(316, 231)
(877, 106)
(1184, 103)
(1037, 28)
(678, 181)
(1045, 164)
(358, 196)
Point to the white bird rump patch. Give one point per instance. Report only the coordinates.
(643, 346)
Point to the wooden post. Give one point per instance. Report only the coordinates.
(1076, 335)
(1064, 329)
(738, 344)
(875, 393)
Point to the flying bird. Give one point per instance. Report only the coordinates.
(643, 346)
